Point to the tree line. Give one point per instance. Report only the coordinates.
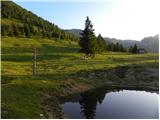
(27, 30)
(90, 44)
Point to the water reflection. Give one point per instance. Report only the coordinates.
(89, 101)
(102, 103)
(88, 108)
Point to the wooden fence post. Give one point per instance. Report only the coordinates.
(34, 61)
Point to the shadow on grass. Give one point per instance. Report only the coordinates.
(15, 50)
(58, 49)
(115, 73)
(29, 58)
(5, 79)
(44, 49)
(136, 59)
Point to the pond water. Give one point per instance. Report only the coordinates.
(116, 104)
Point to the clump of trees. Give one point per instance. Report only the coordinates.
(116, 47)
(101, 44)
(89, 43)
(133, 49)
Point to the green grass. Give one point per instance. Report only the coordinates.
(57, 62)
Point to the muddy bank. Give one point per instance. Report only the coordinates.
(130, 77)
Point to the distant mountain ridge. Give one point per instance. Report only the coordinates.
(76, 32)
(151, 44)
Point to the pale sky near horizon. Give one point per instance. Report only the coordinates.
(121, 19)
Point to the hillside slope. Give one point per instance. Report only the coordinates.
(151, 43)
(17, 21)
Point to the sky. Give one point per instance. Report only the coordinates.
(121, 19)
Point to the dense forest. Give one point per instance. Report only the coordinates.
(17, 21)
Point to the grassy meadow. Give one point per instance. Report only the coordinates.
(58, 63)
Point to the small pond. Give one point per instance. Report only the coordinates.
(112, 104)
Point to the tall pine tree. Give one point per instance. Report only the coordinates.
(101, 43)
(88, 41)
(27, 31)
(135, 49)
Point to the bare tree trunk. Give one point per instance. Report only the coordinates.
(34, 61)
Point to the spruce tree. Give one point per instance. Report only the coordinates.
(110, 46)
(27, 31)
(3, 30)
(130, 49)
(117, 47)
(121, 49)
(88, 41)
(135, 49)
(101, 44)
(15, 30)
(43, 34)
(10, 31)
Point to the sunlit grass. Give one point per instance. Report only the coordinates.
(56, 62)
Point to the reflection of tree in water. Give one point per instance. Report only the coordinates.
(89, 102)
(88, 105)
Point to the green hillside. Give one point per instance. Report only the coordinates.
(16, 21)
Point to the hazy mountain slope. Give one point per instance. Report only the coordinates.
(125, 43)
(151, 44)
(76, 32)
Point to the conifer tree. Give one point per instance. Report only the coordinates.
(27, 30)
(135, 49)
(130, 49)
(101, 44)
(15, 30)
(88, 41)
(121, 49)
(3, 30)
(117, 47)
(10, 31)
